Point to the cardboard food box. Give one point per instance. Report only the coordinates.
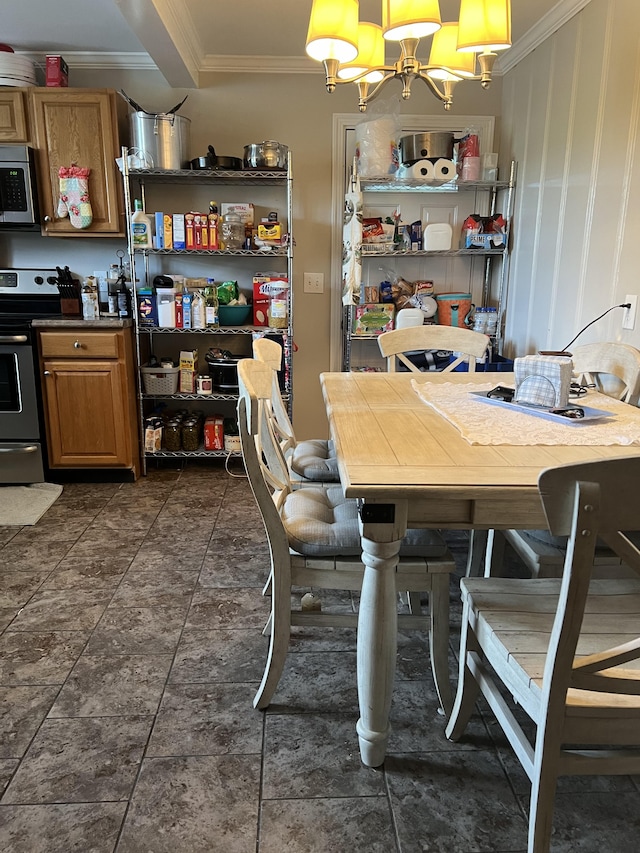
(188, 371)
(261, 293)
(179, 239)
(214, 433)
(56, 71)
(373, 319)
(246, 212)
(147, 308)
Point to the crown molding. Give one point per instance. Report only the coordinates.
(260, 64)
(546, 27)
(89, 60)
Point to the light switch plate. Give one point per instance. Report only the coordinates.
(313, 282)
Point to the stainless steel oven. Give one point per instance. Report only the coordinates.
(24, 296)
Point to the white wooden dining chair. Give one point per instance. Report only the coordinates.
(566, 650)
(614, 369)
(465, 344)
(314, 541)
(313, 459)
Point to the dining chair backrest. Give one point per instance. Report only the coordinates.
(597, 363)
(269, 352)
(567, 649)
(466, 345)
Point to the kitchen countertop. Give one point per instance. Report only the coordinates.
(79, 323)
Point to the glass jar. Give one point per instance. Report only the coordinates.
(190, 434)
(279, 304)
(172, 435)
(231, 231)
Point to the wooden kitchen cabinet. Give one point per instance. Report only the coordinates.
(14, 126)
(89, 395)
(78, 126)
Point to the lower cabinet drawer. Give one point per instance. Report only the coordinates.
(80, 344)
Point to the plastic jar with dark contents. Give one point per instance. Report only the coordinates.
(190, 434)
(172, 435)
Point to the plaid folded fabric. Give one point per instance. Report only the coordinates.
(542, 380)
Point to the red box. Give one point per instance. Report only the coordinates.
(56, 71)
(261, 292)
(213, 433)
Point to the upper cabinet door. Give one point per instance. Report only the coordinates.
(13, 116)
(78, 126)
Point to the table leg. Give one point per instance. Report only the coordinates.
(377, 646)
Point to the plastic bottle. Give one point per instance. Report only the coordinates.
(198, 320)
(480, 320)
(141, 228)
(90, 299)
(492, 322)
(124, 299)
(112, 289)
(213, 219)
(211, 317)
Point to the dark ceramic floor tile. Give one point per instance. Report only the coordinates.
(8, 766)
(357, 824)
(50, 529)
(7, 615)
(32, 556)
(196, 804)
(22, 710)
(39, 657)
(81, 828)
(454, 802)
(222, 655)
(172, 556)
(228, 608)
(317, 682)
(110, 685)
(91, 572)
(16, 588)
(103, 542)
(80, 761)
(315, 755)
(207, 719)
(154, 589)
(243, 566)
(7, 534)
(137, 631)
(62, 610)
(596, 822)
(307, 638)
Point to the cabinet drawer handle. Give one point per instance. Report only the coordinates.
(47, 219)
(77, 345)
(47, 373)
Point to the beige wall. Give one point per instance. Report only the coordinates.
(230, 111)
(570, 119)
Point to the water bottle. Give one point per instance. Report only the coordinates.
(492, 322)
(480, 320)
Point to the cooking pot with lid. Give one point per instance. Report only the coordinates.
(223, 369)
(424, 146)
(163, 138)
(265, 155)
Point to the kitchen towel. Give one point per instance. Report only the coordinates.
(444, 170)
(422, 171)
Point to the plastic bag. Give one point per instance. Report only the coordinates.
(378, 140)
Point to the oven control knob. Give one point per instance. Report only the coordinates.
(77, 345)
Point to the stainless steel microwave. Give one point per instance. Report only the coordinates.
(18, 194)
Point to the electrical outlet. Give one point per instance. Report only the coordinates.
(313, 282)
(629, 319)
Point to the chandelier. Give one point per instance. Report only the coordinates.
(354, 52)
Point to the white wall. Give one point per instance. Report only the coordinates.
(570, 119)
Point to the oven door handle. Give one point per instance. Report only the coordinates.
(13, 339)
(20, 448)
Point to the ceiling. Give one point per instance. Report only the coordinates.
(186, 38)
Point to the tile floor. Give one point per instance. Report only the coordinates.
(130, 649)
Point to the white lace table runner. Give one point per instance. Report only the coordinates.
(482, 423)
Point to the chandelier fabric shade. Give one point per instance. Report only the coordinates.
(370, 55)
(485, 25)
(353, 51)
(404, 19)
(333, 30)
(445, 58)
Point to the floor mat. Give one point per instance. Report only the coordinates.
(23, 505)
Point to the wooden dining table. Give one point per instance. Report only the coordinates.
(409, 466)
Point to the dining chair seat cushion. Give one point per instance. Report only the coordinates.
(321, 522)
(315, 460)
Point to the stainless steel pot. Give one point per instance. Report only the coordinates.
(422, 146)
(265, 155)
(163, 138)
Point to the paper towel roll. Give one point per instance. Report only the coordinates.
(422, 171)
(444, 170)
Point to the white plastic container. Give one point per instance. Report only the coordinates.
(166, 302)
(141, 228)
